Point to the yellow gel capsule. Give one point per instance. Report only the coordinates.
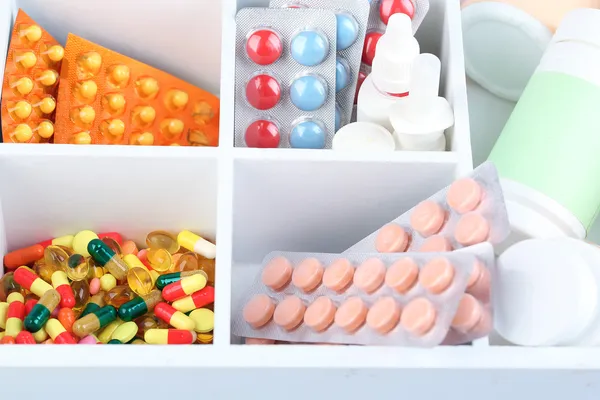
(24, 85)
(146, 114)
(140, 280)
(56, 53)
(108, 331)
(107, 282)
(204, 320)
(138, 341)
(47, 105)
(48, 77)
(205, 338)
(81, 290)
(160, 259)
(82, 138)
(56, 258)
(27, 60)
(147, 86)
(178, 98)
(172, 127)
(142, 139)
(115, 101)
(120, 74)
(81, 241)
(87, 114)
(95, 270)
(162, 240)
(88, 89)
(22, 133)
(119, 295)
(115, 127)
(45, 129)
(3, 312)
(90, 62)
(125, 332)
(33, 33)
(77, 267)
(22, 109)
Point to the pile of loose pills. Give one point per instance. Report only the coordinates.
(97, 288)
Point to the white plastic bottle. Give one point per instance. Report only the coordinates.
(390, 73)
(420, 119)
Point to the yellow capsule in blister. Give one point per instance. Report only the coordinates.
(162, 240)
(140, 280)
(160, 259)
(81, 290)
(77, 267)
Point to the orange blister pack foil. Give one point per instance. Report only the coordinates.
(30, 85)
(108, 98)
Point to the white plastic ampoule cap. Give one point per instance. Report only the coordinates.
(546, 292)
(395, 52)
(363, 136)
(420, 119)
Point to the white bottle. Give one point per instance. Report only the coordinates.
(420, 119)
(390, 73)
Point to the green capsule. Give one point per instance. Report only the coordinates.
(167, 279)
(94, 321)
(106, 257)
(139, 306)
(96, 303)
(40, 313)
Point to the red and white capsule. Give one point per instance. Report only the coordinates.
(28, 279)
(60, 282)
(169, 336)
(15, 314)
(184, 287)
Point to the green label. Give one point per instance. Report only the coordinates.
(551, 142)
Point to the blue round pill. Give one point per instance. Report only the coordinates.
(308, 93)
(308, 135)
(342, 74)
(338, 118)
(309, 48)
(347, 31)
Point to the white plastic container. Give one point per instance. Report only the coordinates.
(390, 75)
(363, 137)
(420, 119)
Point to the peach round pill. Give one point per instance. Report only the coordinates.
(437, 275)
(338, 275)
(479, 283)
(259, 341)
(56, 53)
(384, 315)
(392, 238)
(95, 286)
(427, 218)
(369, 276)
(27, 60)
(471, 229)
(418, 316)
(47, 105)
(45, 129)
(351, 315)
(308, 274)
(435, 244)
(464, 195)
(402, 275)
(320, 314)
(259, 311)
(277, 273)
(469, 314)
(289, 313)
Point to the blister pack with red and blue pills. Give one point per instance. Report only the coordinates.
(285, 78)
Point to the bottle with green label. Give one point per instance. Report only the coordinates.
(548, 154)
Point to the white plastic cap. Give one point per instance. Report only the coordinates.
(581, 24)
(423, 112)
(545, 291)
(395, 52)
(363, 136)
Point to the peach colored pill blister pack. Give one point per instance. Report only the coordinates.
(469, 211)
(285, 78)
(368, 299)
(352, 17)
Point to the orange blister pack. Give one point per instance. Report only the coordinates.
(108, 98)
(30, 85)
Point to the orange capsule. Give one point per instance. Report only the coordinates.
(66, 316)
(23, 256)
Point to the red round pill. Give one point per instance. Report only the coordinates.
(263, 92)
(370, 45)
(387, 8)
(361, 78)
(263, 134)
(264, 47)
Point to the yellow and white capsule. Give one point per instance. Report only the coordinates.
(197, 244)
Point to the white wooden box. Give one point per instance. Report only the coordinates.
(251, 201)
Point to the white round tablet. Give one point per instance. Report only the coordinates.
(363, 136)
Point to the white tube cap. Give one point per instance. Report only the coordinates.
(423, 114)
(545, 292)
(363, 136)
(581, 25)
(395, 52)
